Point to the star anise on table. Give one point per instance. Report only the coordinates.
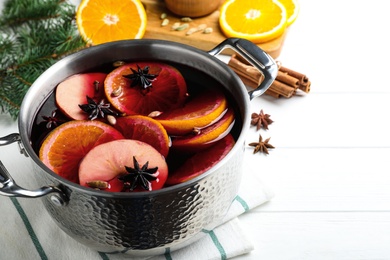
(261, 120)
(262, 146)
(141, 77)
(95, 110)
(139, 176)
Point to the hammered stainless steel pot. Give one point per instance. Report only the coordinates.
(143, 223)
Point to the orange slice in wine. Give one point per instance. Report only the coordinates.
(167, 89)
(144, 129)
(200, 111)
(205, 137)
(202, 161)
(66, 145)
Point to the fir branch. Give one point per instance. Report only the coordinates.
(34, 34)
(31, 10)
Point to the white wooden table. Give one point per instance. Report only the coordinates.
(329, 170)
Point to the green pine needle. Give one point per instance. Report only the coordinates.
(34, 34)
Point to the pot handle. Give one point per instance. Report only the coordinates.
(255, 56)
(9, 188)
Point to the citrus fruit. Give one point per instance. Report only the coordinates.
(144, 129)
(107, 162)
(101, 21)
(144, 87)
(201, 161)
(206, 136)
(258, 21)
(63, 149)
(292, 8)
(73, 91)
(200, 111)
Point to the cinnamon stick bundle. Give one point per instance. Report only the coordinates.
(286, 84)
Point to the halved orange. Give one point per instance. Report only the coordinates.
(101, 21)
(146, 129)
(66, 145)
(258, 21)
(292, 8)
(200, 111)
(206, 136)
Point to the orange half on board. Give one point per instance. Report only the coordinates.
(258, 21)
(101, 21)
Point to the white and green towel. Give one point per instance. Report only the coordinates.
(28, 232)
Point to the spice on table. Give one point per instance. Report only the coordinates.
(165, 22)
(262, 146)
(287, 83)
(208, 30)
(186, 19)
(261, 120)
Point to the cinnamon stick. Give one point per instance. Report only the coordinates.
(286, 84)
(282, 89)
(301, 77)
(286, 78)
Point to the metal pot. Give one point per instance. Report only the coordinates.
(143, 223)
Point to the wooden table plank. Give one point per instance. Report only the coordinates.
(321, 180)
(331, 235)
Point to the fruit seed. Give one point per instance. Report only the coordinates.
(111, 120)
(116, 92)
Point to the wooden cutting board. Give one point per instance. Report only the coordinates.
(206, 42)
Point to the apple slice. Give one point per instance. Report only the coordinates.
(106, 163)
(73, 91)
(202, 161)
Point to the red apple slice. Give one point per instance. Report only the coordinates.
(108, 162)
(72, 92)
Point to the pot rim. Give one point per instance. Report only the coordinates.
(25, 138)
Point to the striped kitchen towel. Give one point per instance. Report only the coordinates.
(28, 232)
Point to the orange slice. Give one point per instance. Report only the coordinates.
(168, 90)
(66, 146)
(146, 129)
(206, 136)
(292, 8)
(200, 111)
(258, 21)
(202, 161)
(101, 21)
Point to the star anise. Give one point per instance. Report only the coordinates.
(96, 110)
(52, 121)
(141, 77)
(261, 120)
(262, 146)
(139, 176)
